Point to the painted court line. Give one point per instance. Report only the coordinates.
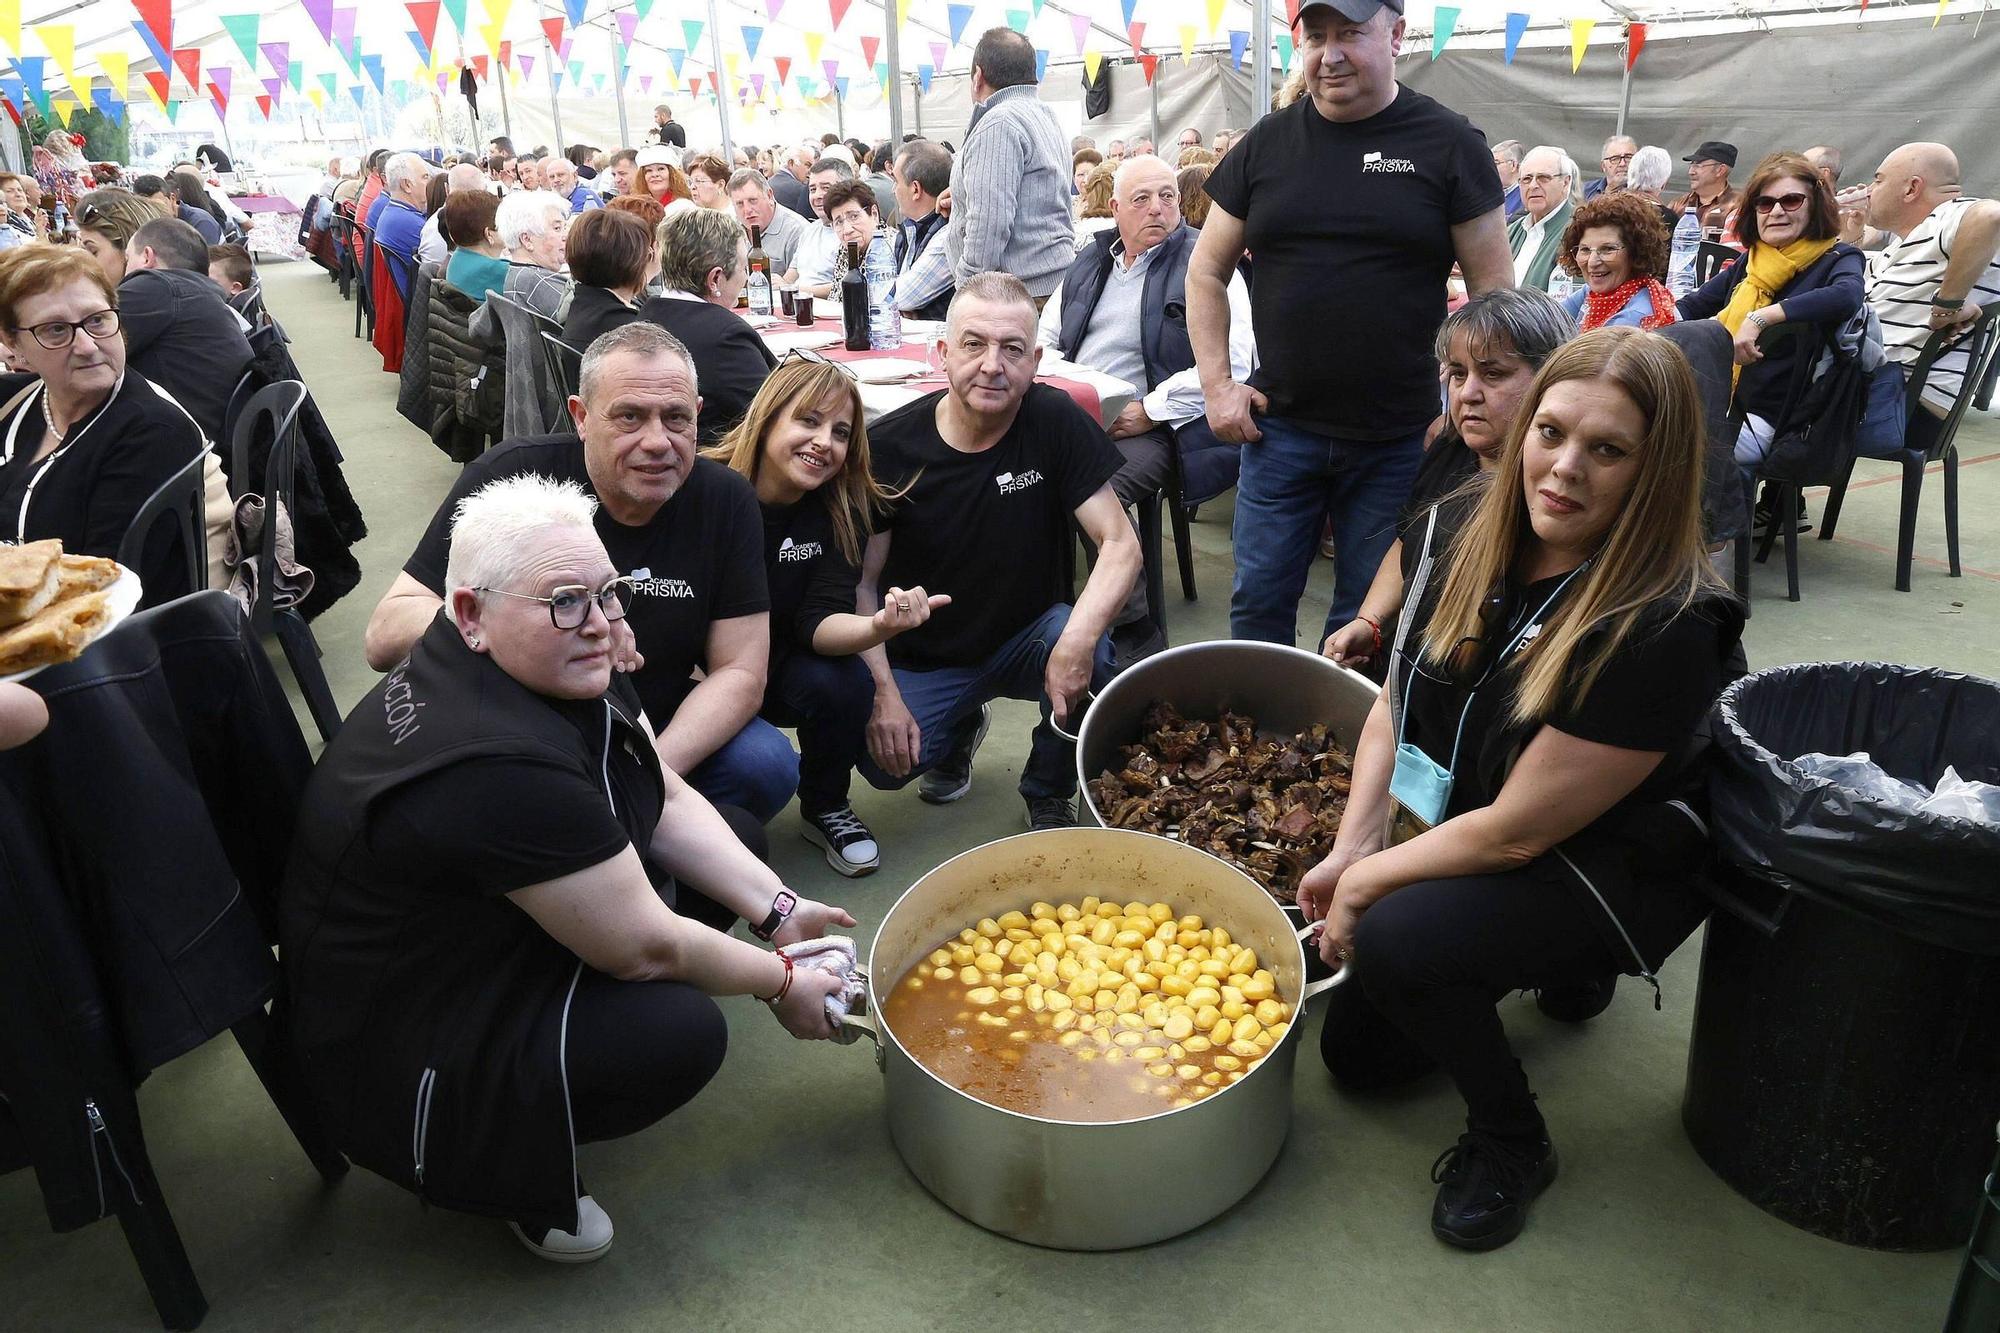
(1897, 477)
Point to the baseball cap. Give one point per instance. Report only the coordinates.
(1714, 151)
(1354, 11)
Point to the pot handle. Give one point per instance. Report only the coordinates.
(859, 1022)
(1315, 989)
(1090, 697)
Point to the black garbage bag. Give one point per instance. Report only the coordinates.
(1934, 878)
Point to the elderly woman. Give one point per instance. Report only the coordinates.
(851, 209)
(1548, 688)
(1794, 267)
(1081, 164)
(704, 262)
(659, 177)
(1616, 245)
(482, 923)
(804, 447)
(1488, 351)
(1093, 204)
(106, 221)
(478, 262)
(86, 445)
(708, 181)
(534, 227)
(611, 258)
(1647, 176)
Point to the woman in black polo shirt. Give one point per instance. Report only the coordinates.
(1535, 742)
(486, 967)
(804, 447)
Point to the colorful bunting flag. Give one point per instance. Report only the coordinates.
(113, 107)
(1091, 61)
(273, 87)
(576, 9)
(628, 27)
(956, 17)
(784, 67)
(343, 28)
(59, 39)
(813, 42)
(837, 10)
(10, 24)
(1130, 7)
(220, 96)
(1239, 44)
(496, 11)
(552, 28)
(1579, 39)
(1079, 28)
(1017, 19)
(1041, 64)
(423, 48)
(1187, 43)
(372, 66)
(188, 61)
(924, 76)
(752, 35)
(771, 11)
(280, 56)
(158, 18)
(264, 105)
(1149, 64)
(1635, 41)
(691, 30)
(1137, 32)
(156, 83)
(1444, 20)
(243, 27)
(869, 45)
(1517, 25)
(1285, 52)
(321, 13)
(424, 13)
(832, 71)
(117, 67)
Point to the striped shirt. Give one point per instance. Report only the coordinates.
(1902, 279)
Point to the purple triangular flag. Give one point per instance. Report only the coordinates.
(280, 56)
(628, 26)
(321, 13)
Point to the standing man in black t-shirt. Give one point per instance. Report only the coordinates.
(991, 472)
(1355, 201)
(689, 534)
(666, 129)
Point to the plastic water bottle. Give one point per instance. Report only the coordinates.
(885, 322)
(1561, 285)
(1680, 262)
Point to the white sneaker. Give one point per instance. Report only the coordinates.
(591, 1239)
(849, 846)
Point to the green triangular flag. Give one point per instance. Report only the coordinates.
(243, 27)
(1285, 53)
(882, 72)
(400, 90)
(691, 29)
(173, 112)
(456, 8)
(329, 82)
(642, 8)
(1017, 19)
(298, 73)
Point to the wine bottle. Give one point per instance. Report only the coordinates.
(854, 301)
(759, 286)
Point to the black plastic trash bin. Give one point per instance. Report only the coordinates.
(1844, 1070)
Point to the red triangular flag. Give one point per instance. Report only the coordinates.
(221, 99)
(1291, 13)
(424, 13)
(1635, 41)
(188, 62)
(264, 105)
(554, 28)
(715, 82)
(12, 110)
(784, 64)
(480, 66)
(837, 9)
(1137, 32)
(1149, 64)
(158, 16)
(869, 46)
(159, 80)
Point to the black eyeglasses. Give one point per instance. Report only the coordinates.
(1791, 203)
(57, 334)
(569, 605)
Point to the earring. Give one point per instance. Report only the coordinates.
(472, 642)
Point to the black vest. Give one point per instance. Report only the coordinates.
(906, 253)
(1163, 332)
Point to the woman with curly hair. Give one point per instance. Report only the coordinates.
(1192, 182)
(1618, 247)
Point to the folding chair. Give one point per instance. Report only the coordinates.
(563, 362)
(179, 501)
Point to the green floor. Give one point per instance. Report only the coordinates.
(776, 1201)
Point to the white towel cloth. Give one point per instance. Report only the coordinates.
(835, 954)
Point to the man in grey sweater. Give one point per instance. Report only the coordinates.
(1010, 182)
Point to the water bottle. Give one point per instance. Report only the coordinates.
(1561, 285)
(59, 228)
(885, 322)
(1680, 262)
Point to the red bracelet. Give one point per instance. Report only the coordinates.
(786, 988)
(1375, 625)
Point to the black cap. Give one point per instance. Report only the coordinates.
(1714, 151)
(1354, 11)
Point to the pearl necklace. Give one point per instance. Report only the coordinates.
(50, 417)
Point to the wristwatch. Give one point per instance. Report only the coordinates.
(781, 908)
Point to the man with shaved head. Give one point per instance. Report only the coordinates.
(431, 247)
(1939, 275)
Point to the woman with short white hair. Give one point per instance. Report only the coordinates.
(479, 925)
(1647, 176)
(534, 228)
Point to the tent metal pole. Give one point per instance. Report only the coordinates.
(1153, 90)
(721, 81)
(1260, 60)
(1625, 89)
(895, 85)
(839, 112)
(917, 105)
(506, 112)
(618, 77)
(555, 64)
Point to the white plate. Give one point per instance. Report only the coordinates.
(803, 341)
(123, 600)
(889, 370)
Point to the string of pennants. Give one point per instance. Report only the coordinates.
(47, 73)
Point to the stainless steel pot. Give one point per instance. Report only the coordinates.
(1063, 1184)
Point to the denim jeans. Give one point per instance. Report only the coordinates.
(1292, 479)
(756, 769)
(945, 701)
(828, 699)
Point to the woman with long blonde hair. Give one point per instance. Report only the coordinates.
(803, 445)
(1535, 747)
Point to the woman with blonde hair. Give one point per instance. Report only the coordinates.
(803, 445)
(1536, 746)
(1093, 205)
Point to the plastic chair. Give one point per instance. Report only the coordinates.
(1709, 260)
(364, 309)
(564, 364)
(1830, 456)
(180, 501)
(1941, 447)
(273, 412)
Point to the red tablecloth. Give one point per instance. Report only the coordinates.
(263, 203)
(1082, 394)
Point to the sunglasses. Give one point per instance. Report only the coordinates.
(1791, 203)
(812, 358)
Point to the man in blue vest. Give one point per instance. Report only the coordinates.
(1122, 310)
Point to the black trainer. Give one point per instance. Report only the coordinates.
(849, 846)
(1577, 1004)
(1047, 812)
(951, 777)
(1485, 1184)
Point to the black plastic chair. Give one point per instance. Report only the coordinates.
(273, 413)
(180, 501)
(1709, 259)
(1830, 456)
(364, 308)
(1939, 441)
(564, 364)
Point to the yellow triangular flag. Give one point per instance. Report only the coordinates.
(10, 24)
(318, 99)
(117, 67)
(1091, 60)
(491, 32)
(1187, 41)
(1215, 8)
(62, 109)
(60, 41)
(1940, 14)
(902, 12)
(733, 63)
(1579, 38)
(813, 41)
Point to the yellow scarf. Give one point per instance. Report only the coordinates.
(1769, 272)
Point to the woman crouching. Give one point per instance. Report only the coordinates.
(1539, 726)
(485, 964)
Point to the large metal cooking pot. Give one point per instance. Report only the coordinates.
(1286, 689)
(1064, 1184)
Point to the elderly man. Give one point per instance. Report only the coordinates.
(1616, 159)
(529, 172)
(1548, 202)
(1114, 152)
(1140, 147)
(755, 205)
(431, 244)
(559, 179)
(1010, 182)
(1826, 161)
(179, 331)
(1940, 275)
(686, 530)
(1190, 138)
(924, 282)
(817, 259)
(1709, 194)
(1507, 155)
(400, 226)
(1112, 313)
(1371, 190)
(991, 473)
(788, 183)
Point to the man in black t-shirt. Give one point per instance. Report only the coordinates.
(666, 130)
(1355, 202)
(996, 467)
(688, 532)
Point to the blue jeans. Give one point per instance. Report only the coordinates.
(1291, 481)
(756, 770)
(945, 703)
(828, 699)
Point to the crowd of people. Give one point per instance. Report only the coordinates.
(520, 859)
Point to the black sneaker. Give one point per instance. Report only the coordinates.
(1766, 517)
(1577, 1004)
(1047, 812)
(849, 846)
(1485, 1184)
(951, 777)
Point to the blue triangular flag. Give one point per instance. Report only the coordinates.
(153, 45)
(959, 16)
(924, 76)
(676, 56)
(108, 103)
(1239, 42)
(840, 85)
(417, 40)
(752, 36)
(359, 94)
(1130, 7)
(373, 66)
(31, 72)
(576, 8)
(1041, 65)
(1516, 25)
